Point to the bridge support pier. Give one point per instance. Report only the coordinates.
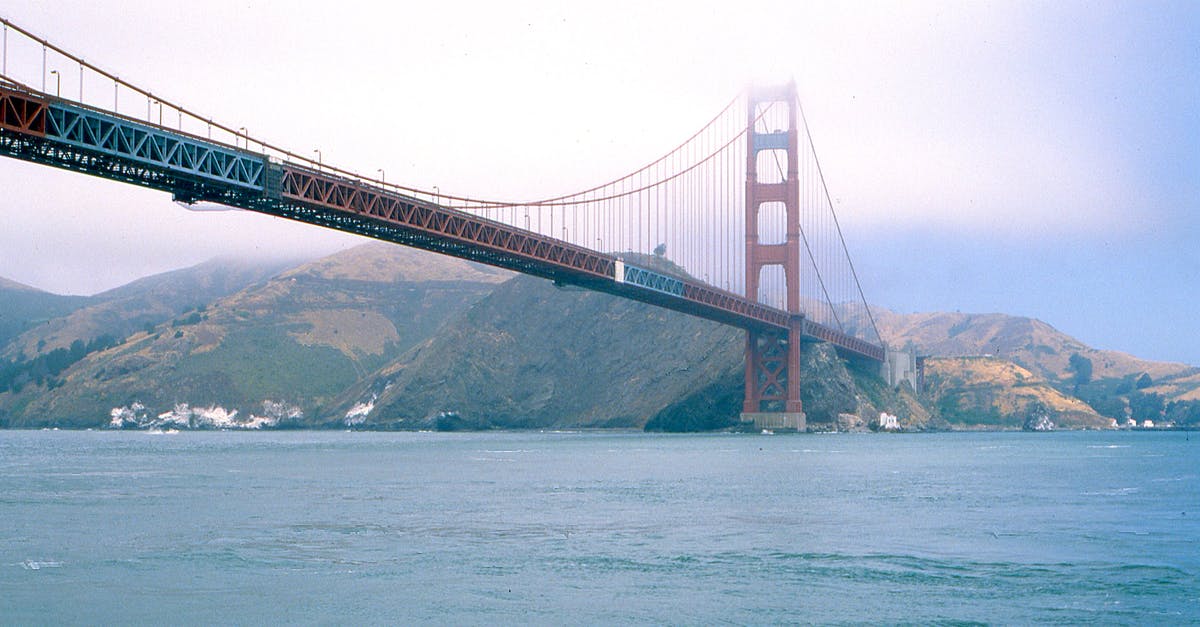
(777, 420)
(773, 378)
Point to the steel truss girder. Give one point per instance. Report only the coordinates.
(154, 147)
(306, 186)
(705, 296)
(515, 248)
(653, 281)
(54, 153)
(846, 343)
(23, 113)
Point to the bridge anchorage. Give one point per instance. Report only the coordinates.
(742, 203)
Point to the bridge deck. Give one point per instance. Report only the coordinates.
(43, 129)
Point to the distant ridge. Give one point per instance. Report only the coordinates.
(147, 301)
(22, 307)
(8, 284)
(1025, 341)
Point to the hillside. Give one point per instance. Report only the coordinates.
(1028, 342)
(23, 308)
(276, 350)
(531, 355)
(1113, 384)
(144, 303)
(996, 393)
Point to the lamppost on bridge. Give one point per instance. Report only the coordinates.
(437, 195)
(318, 152)
(160, 114)
(382, 177)
(526, 219)
(599, 244)
(245, 133)
(57, 83)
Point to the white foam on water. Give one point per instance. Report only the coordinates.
(1114, 492)
(38, 564)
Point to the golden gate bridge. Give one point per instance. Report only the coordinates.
(735, 224)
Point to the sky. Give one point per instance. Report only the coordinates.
(1037, 159)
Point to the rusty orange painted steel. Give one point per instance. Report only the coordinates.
(305, 186)
(22, 112)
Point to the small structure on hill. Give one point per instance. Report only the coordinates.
(903, 365)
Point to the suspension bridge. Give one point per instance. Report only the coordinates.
(735, 224)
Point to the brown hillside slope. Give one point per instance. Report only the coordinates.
(1026, 341)
(994, 392)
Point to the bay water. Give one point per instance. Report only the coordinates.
(598, 528)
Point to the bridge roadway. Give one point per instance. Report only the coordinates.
(44, 129)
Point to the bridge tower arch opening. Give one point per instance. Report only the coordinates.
(772, 387)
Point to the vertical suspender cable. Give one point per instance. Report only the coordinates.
(673, 207)
(842, 239)
(706, 207)
(722, 209)
(693, 219)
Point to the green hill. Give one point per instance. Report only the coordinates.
(274, 351)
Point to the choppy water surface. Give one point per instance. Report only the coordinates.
(321, 527)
